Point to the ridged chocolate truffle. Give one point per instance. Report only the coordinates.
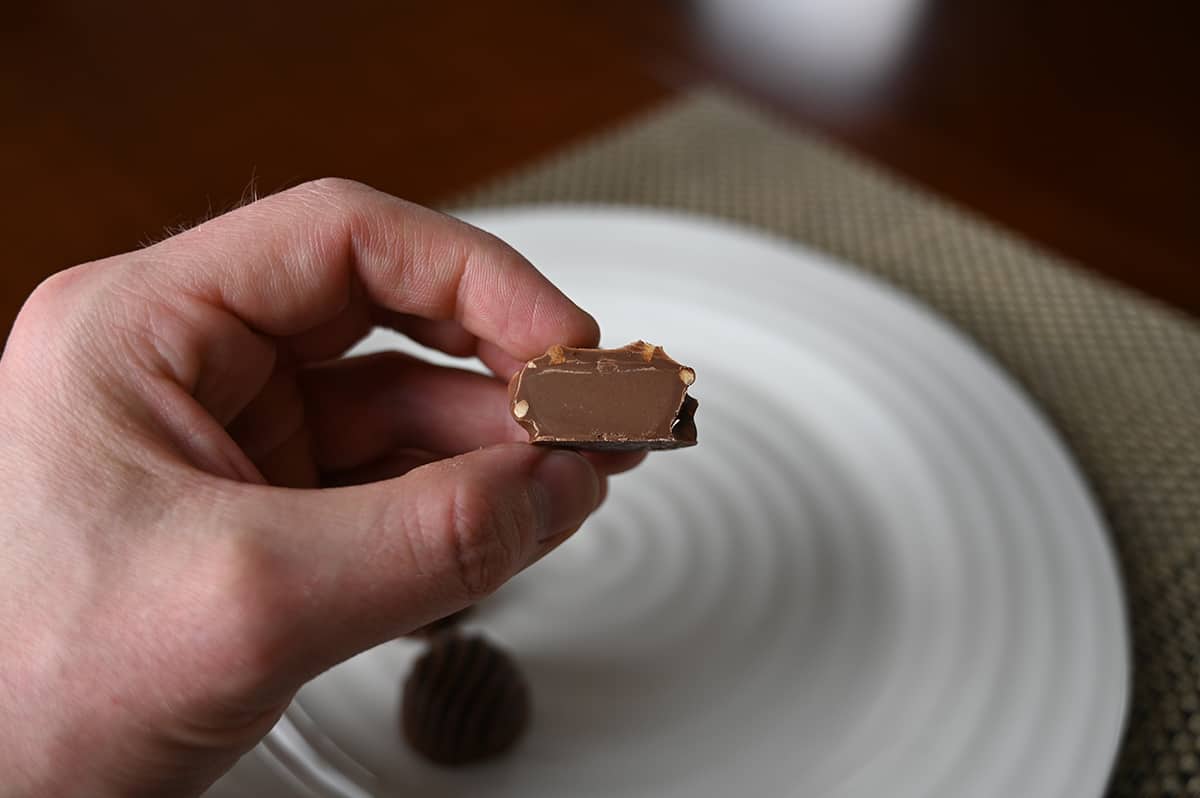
(464, 701)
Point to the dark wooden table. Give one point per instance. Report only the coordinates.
(1076, 124)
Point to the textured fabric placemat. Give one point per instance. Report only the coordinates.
(1118, 374)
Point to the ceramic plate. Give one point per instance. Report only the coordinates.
(879, 574)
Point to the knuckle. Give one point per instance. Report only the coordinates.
(58, 284)
(51, 318)
(52, 296)
(341, 208)
(248, 604)
(337, 189)
(484, 539)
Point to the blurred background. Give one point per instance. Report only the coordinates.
(1076, 124)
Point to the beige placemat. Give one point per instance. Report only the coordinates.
(1118, 374)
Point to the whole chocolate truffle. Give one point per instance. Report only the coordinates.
(464, 701)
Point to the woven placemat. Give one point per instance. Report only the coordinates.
(1118, 374)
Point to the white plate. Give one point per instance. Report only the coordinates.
(879, 574)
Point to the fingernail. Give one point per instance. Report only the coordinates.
(569, 490)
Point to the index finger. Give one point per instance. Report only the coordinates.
(287, 264)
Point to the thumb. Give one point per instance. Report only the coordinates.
(370, 562)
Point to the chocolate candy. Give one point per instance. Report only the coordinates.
(464, 701)
(630, 398)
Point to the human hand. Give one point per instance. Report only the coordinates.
(173, 564)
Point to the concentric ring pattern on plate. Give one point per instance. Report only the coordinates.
(878, 574)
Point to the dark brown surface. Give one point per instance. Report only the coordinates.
(1075, 124)
(464, 701)
(625, 399)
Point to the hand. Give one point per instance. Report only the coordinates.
(173, 562)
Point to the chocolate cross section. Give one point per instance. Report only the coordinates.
(622, 399)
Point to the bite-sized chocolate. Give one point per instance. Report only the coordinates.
(630, 398)
(464, 701)
(445, 624)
